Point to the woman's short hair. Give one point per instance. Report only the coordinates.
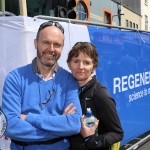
(86, 48)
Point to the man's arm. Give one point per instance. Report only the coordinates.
(18, 129)
(61, 125)
(70, 109)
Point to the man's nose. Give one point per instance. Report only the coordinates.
(51, 47)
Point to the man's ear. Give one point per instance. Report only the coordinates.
(35, 43)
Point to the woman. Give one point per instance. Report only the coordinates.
(82, 61)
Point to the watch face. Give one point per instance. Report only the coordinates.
(3, 123)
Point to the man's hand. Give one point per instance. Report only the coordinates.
(85, 131)
(23, 117)
(70, 109)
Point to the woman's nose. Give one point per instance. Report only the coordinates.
(81, 65)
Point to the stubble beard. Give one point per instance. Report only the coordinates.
(43, 61)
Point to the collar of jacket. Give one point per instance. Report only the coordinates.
(87, 85)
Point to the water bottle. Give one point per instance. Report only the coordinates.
(89, 119)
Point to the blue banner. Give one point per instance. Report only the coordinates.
(124, 68)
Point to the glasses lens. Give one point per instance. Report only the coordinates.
(59, 26)
(45, 24)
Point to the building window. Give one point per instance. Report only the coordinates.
(130, 24)
(146, 22)
(127, 23)
(134, 25)
(35, 8)
(12, 6)
(107, 18)
(81, 11)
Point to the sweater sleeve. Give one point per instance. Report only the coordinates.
(18, 129)
(109, 117)
(61, 125)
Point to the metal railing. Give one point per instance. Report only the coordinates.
(6, 13)
(86, 22)
(138, 144)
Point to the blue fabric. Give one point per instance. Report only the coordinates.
(124, 68)
(21, 96)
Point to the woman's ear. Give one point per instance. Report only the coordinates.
(69, 66)
(93, 70)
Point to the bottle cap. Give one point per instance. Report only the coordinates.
(88, 112)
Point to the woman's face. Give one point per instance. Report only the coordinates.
(81, 68)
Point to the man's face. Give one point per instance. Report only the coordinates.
(49, 45)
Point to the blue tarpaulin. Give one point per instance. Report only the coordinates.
(124, 69)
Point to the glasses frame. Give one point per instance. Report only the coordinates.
(51, 23)
(85, 43)
(42, 105)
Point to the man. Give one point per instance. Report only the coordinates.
(35, 97)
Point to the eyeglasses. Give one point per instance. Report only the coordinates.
(51, 23)
(42, 105)
(84, 43)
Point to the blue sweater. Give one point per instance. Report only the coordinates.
(23, 92)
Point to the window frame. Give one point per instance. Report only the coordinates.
(133, 25)
(146, 22)
(87, 5)
(106, 11)
(127, 23)
(130, 24)
(85, 13)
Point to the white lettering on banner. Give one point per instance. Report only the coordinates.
(129, 82)
(137, 80)
(117, 83)
(139, 94)
(129, 79)
(142, 79)
(135, 96)
(124, 83)
(147, 77)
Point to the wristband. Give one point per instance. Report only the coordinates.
(88, 138)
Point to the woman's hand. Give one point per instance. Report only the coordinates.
(85, 131)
